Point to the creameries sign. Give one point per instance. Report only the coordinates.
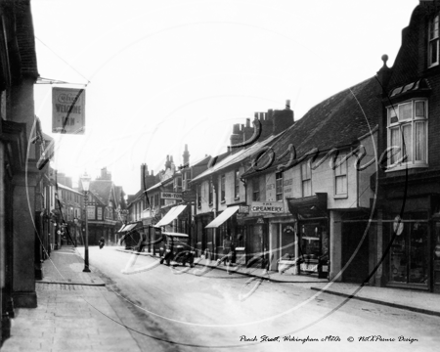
(267, 207)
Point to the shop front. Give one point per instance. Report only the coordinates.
(169, 222)
(313, 234)
(257, 242)
(411, 237)
(224, 226)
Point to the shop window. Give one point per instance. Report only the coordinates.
(306, 177)
(256, 189)
(407, 135)
(433, 43)
(409, 253)
(341, 175)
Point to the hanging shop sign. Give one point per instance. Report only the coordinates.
(171, 195)
(68, 110)
(267, 207)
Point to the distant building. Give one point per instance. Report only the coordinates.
(105, 199)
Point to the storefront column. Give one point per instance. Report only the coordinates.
(335, 246)
(24, 242)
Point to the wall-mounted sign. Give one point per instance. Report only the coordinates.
(91, 212)
(171, 195)
(244, 209)
(189, 196)
(267, 207)
(68, 110)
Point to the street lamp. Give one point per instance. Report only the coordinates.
(85, 181)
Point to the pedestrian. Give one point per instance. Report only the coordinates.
(101, 242)
(226, 250)
(168, 251)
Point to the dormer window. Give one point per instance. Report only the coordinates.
(433, 49)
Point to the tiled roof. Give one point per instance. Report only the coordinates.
(102, 190)
(336, 122)
(26, 39)
(236, 158)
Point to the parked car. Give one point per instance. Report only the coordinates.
(175, 248)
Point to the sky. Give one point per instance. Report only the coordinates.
(159, 74)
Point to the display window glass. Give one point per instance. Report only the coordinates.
(409, 252)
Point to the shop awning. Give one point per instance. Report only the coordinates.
(225, 215)
(309, 207)
(171, 215)
(175, 234)
(121, 229)
(128, 227)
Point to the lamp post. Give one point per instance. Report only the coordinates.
(85, 181)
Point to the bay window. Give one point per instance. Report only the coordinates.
(407, 134)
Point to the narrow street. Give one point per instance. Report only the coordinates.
(207, 309)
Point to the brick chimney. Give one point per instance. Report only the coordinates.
(186, 156)
(282, 119)
(236, 136)
(266, 125)
(144, 173)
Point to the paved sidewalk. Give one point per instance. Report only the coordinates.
(412, 300)
(76, 312)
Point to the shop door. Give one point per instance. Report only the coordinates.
(256, 241)
(357, 269)
(436, 266)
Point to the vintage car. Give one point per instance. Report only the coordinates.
(175, 249)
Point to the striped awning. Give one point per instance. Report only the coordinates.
(225, 215)
(171, 215)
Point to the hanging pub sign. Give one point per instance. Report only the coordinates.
(68, 110)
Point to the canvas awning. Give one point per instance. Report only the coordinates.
(171, 215)
(225, 215)
(121, 229)
(128, 227)
(175, 234)
(309, 207)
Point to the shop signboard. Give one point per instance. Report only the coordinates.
(171, 195)
(68, 110)
(243, 209)
(267, 207)
(189, 196)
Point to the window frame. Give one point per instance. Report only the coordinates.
(306, 178)
(433, 41)
(236, 184)
(223, 188)
(340, 168)
(210, 193)
(394, 123)
(256, 189)
(279, 189)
